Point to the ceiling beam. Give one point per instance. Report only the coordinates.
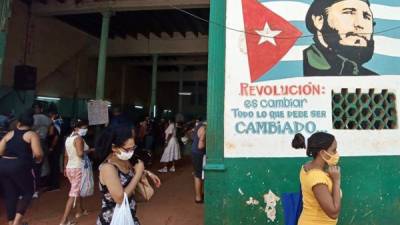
(177, 22)
(164, 26)
(156, 26)
(168, 63)
(128, 23)
(132, 47)
(53, 8)
(115, 26)
(188, 22)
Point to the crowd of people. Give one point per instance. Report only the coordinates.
(33, 145)
(36, 140)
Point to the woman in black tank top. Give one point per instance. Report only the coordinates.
(18, 148)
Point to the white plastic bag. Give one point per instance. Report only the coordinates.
(204, 166)
(87, 183)
(122, 213)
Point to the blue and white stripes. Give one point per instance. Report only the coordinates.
(387, 44)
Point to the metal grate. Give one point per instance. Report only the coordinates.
(364, 110)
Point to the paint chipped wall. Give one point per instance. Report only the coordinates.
(253, 189)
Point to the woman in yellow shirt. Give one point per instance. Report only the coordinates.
(320, 180)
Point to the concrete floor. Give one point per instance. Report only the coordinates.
(173, 203)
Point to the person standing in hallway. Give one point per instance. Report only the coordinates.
(41, 125)
(149, 134)
(118, 118)
(17, 149)
(75, 147)
(320, 180)
(55, 140)
(172, 150)
(198, 157)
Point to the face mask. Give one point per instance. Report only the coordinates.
(333, 161)
(82, 132)
(125, 155)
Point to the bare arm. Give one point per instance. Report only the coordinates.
(330, 203)
(51, 130)
(54, 142)
(79, 146)
(156, 180)
(36, 146)
(202, 137)
(109, 177)
(3, 142)
(65, 162)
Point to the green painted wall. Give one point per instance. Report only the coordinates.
(16, 101)
(370, 185)
(67, 107)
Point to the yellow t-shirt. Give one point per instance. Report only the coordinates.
(312, 212)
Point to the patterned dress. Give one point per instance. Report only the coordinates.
(108, 204)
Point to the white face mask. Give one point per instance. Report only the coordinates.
(82, 132)
(125, 155)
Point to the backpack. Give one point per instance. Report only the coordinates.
(292, 207)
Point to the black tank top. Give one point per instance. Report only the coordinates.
(196, 140)
(17, 147)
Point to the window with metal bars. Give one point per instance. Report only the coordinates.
(372, 110)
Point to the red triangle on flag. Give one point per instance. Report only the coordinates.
(264, 53)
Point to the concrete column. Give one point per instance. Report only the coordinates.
(180, 97)
(153, 110)
(75, 108)
(5, 13)
(123, 86)
(101, 68)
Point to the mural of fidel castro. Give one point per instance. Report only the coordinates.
(343, 36)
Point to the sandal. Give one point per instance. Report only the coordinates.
(84, 213)
(199, 201)
(69, 223)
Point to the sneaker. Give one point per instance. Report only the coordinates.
(172, 169)
(35, 195)
(163, 170)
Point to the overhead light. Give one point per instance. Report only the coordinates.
(154, 111)
(48, 98)
(138, 107)
(185, 93)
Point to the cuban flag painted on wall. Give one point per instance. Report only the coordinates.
(277, 38)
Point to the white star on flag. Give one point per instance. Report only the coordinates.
(267, 35)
